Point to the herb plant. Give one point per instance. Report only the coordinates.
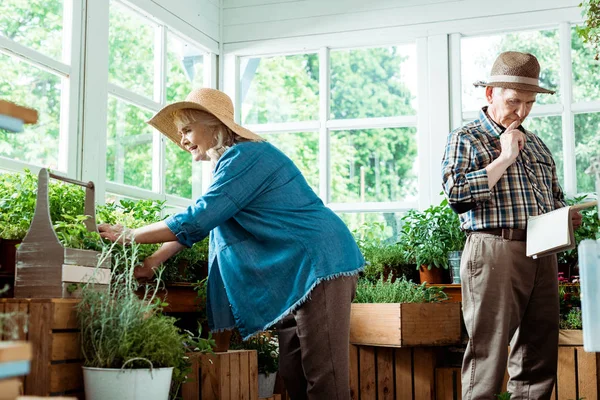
(267, 349)
(589, 229)
(398, 291)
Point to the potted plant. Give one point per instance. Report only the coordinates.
(267, 349)
(429, 236)
(402, 313)
(131, 350)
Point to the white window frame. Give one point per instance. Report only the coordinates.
(94, 159)
(324, 125)
(69, 70)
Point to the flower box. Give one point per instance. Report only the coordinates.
(410, 324)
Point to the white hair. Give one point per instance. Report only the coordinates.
(223, 136)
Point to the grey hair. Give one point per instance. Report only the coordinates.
(223, 136)
(497, 90)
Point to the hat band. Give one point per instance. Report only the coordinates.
(514, 79)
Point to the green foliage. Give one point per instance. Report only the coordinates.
(72, 233)
(590, 32)
(267, 349)
(189, 265)
(120, 328)
(569, 296)
(589, 229)
(503, 396)
(381, 256)
(429, 235)
(398, 291)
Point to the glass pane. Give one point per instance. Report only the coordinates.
(185, 68)
(374, 165)
(587, 145)
(131, 50)
(280, 89)
(129, 146)
(585, 69)
(28, 86)
(379, 82)
(37, 24)
(178, 178)
(549, 129)
(479, 53)
(303, 149)
(366, 224)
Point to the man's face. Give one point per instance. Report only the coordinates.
(507, 105)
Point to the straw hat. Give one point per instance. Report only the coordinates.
(211, 101)
(515, 70)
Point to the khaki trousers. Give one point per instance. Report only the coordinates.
(508, 298)
(314, 343)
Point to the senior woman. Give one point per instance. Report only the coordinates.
(278, 256)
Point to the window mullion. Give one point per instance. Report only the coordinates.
(568, 123)
(324, 142)
(158, 145)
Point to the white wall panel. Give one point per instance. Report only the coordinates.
(196, 19)
(317, 17)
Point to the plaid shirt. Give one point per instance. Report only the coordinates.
(528, 187)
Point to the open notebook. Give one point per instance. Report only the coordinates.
(552, 232)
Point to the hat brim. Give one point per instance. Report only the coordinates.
(515, 86)
(163, 122)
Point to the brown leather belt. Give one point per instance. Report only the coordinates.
(506, 233)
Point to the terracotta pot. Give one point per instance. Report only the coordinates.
(433, 275)
(222, 340)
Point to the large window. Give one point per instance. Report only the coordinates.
(149, 66)
(38, 68)
(569, 121)
(353, 136)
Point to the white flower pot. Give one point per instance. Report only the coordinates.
(127, 384)
(266, 384)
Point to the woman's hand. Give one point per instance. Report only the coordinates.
(116, 233)
(146, 270)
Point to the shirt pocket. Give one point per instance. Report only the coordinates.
(542, 167)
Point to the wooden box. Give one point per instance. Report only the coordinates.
(392, 373)
(399, 325)
(231, 375)
(46, 269)
(53, 332)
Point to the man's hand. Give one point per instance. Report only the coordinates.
(576, 219)
(116, 233)
(512, 142)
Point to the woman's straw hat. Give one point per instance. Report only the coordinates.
(515, 70)
(211, 101)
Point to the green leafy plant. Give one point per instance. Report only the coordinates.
(589, 229)
(429, 235)
(590, 31)
(119, 327)
(504, 396)
(397, 291)
(266, 345)
(570, 306)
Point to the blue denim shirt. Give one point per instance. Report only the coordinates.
(272, 239)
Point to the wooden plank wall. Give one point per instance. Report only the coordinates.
(381, 373)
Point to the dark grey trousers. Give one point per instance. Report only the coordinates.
(314, 343)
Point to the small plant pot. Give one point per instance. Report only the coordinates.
(127, 384)
(433, 275)
(266, 384)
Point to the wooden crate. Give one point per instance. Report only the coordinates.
(46, 269)
(400, 325)
(53, 332)
(392, 373)
(274, 397)
(231, 375)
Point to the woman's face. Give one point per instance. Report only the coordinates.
(197, 139)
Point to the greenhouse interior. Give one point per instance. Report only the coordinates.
(299, 199)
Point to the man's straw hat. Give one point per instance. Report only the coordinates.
(515, 70)
(211, 101)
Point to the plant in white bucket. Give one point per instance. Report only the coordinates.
(267, 350)
(131, 350)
